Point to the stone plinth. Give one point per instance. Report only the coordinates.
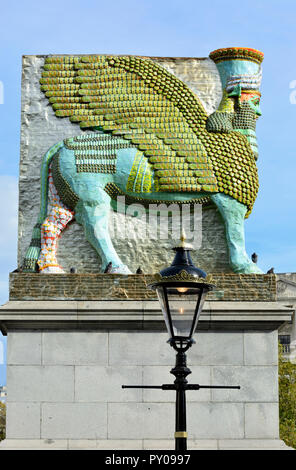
(230, 287)
(67, 360)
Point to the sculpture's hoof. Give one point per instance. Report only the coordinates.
(122, 269)
(52, 270)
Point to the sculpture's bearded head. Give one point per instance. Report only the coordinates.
(240, 73)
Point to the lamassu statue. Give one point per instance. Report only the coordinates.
(147, 137)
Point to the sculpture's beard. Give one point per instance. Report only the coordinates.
(245, 122)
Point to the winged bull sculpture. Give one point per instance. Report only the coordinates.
(147, 137)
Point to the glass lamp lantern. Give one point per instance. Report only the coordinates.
(181, 290)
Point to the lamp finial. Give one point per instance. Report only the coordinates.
(183, 244)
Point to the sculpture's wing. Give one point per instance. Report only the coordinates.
(138, 99)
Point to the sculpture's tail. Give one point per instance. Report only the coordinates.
(33, 251)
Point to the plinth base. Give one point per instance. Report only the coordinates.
(203, 444)
(67, 362)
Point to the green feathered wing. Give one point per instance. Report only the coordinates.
(137, 99)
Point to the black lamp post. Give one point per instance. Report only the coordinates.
(181, 290)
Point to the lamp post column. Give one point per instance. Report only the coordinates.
(180, 371)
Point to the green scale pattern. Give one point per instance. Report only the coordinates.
(144, 104)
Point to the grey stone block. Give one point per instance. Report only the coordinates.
(253, 444)
(203, 444)
(262, 421)
(40, 383)
(23, 421)
(24, 348)
(77, 348)
(134, 348)
(104, 384)
(158, 375)
(141, 420)
(214, 348)
(151, 444)
(102, 444)
(261, 348)
(33, 444)
(215, 421)
(257, 383)
(74, 421)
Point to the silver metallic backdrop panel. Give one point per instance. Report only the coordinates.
(40, 129)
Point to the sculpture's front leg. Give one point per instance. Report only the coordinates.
(233, 213)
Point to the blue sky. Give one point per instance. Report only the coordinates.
(163, 28)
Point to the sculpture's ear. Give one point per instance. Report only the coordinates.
(236, 91)
(220, 121)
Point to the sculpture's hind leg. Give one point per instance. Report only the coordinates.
(55, 222)
(95, 218)
(233, 213)
(51, 230)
